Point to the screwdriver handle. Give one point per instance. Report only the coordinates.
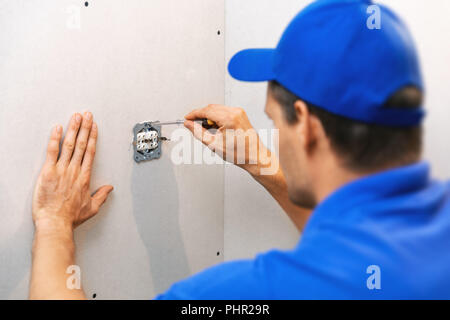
(209, 124)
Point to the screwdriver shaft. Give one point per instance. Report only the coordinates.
(169, 123)
(176, 122)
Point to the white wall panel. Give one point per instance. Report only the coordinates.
(128, 62)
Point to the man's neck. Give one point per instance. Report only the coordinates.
(333, 176)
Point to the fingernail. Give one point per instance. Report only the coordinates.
(58, 129)
(88, 115)
(78, 117)
(94, 126)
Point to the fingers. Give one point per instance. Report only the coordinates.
(223, 116)
(53, 145)
(82, 139)
(212, 112)
(91, 147)
(199, 132)
(99, 197)
(69, 140)
(196, 114)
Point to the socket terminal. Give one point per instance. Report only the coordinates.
(147, 141)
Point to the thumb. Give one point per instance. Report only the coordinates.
(99, 197)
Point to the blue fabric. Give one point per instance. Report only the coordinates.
(398, 220)
(329, 57)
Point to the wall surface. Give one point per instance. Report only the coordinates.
(127, 62)
(251, 216)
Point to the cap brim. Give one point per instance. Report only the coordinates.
(252, 65)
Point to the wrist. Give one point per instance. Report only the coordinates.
(53, 227)
(266, 165)
(253, 169)
(53, 233)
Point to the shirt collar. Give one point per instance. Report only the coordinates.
(380, 185)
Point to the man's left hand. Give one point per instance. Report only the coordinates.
(62, 193)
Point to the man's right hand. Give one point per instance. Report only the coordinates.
(234, 126)
(235, 141)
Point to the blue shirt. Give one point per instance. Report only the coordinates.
(386, 236)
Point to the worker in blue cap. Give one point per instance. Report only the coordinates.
(347, 99)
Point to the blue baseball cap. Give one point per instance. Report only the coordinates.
(331, 57)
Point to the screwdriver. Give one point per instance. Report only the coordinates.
(206, 123)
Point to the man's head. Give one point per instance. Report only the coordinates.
(313, 140)
(347, 98)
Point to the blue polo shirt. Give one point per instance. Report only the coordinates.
(386, 236)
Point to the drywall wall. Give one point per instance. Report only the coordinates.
(126, 61)
(251, 215)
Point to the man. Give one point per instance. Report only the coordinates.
(347, 101)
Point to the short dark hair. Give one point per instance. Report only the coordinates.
(362, 146)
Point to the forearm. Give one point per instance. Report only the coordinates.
(275, 184)
(53, 252)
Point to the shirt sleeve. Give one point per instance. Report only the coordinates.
(237, 280)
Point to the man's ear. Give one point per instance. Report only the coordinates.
(309, 126)
(303, 122)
